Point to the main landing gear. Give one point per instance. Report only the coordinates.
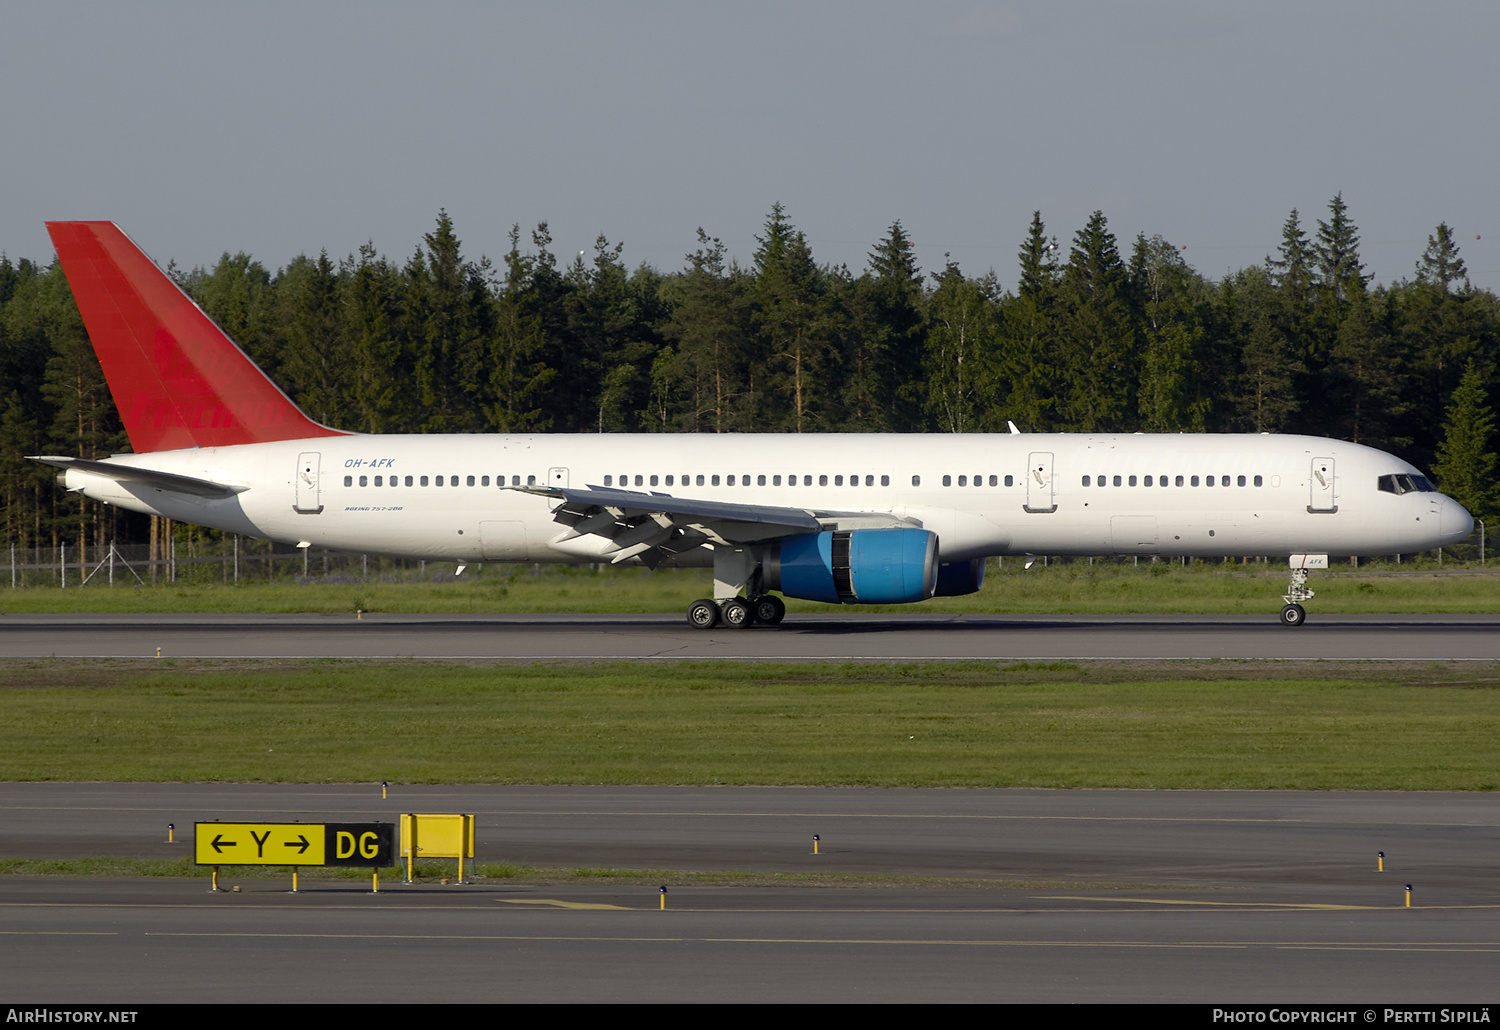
(737, 574)
(736, 613)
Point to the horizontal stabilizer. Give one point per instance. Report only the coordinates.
(166, 481)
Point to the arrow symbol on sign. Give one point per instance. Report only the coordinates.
(300, 848)
(219, 843)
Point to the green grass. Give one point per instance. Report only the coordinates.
(1209, 725)
(432, 872)
(1074, 588)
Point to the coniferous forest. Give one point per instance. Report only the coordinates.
(1082, 335)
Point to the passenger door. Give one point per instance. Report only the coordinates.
(308, 493)
(1321, 483)
(1039, 483)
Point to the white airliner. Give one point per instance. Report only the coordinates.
(842, 518)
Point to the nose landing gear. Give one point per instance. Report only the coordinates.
(1297, 591)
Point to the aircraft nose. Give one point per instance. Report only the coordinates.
(1454, 522)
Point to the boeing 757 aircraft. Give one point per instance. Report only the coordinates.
(852, 519)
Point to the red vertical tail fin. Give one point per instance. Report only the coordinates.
(176, 378)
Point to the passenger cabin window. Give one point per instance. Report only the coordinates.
(916, 480)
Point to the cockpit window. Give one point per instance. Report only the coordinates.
(1402, 483)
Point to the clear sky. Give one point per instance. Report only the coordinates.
(282, 128)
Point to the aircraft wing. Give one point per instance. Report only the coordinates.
(654, 526)
(146, 477)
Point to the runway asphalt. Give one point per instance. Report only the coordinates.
(1092, 896)
(842, 636)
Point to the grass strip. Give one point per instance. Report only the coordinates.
(529, 875)
(1212, 725)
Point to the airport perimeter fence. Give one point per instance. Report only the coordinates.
(230, 560)
(234, 559)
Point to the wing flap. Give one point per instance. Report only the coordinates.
(652, 527)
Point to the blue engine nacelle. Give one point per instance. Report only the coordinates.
(960, 577)
(855, 566)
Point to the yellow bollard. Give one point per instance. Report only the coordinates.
(214, 886)
(815, 844)
(1408, 895)
(1380, 861)
(158, 652)
(171, 828)
(375, 888)
(359, 613)
(383, 785)
(294, 879)
(664, 899)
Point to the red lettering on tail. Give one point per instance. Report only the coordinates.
(176, 378)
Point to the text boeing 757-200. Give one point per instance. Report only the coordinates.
(854, 519)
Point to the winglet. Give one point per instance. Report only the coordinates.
(176, 378)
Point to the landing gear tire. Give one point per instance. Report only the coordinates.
(703, 614)
(768, 608)
(1293, 615)
(736, 613)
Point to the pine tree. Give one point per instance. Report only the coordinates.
(789, 320)
(1440, 266)
(1439, 329)
(882, 386)
(1099, 335)
(1340, 273)
(1465, 466)
(1362, 401)
(1025, 359)
(708, 325)
(521, 379)
(314, 359)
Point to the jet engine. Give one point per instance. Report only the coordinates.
(855, 566)
(959, 577)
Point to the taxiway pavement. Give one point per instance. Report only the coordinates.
(1213, 897)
